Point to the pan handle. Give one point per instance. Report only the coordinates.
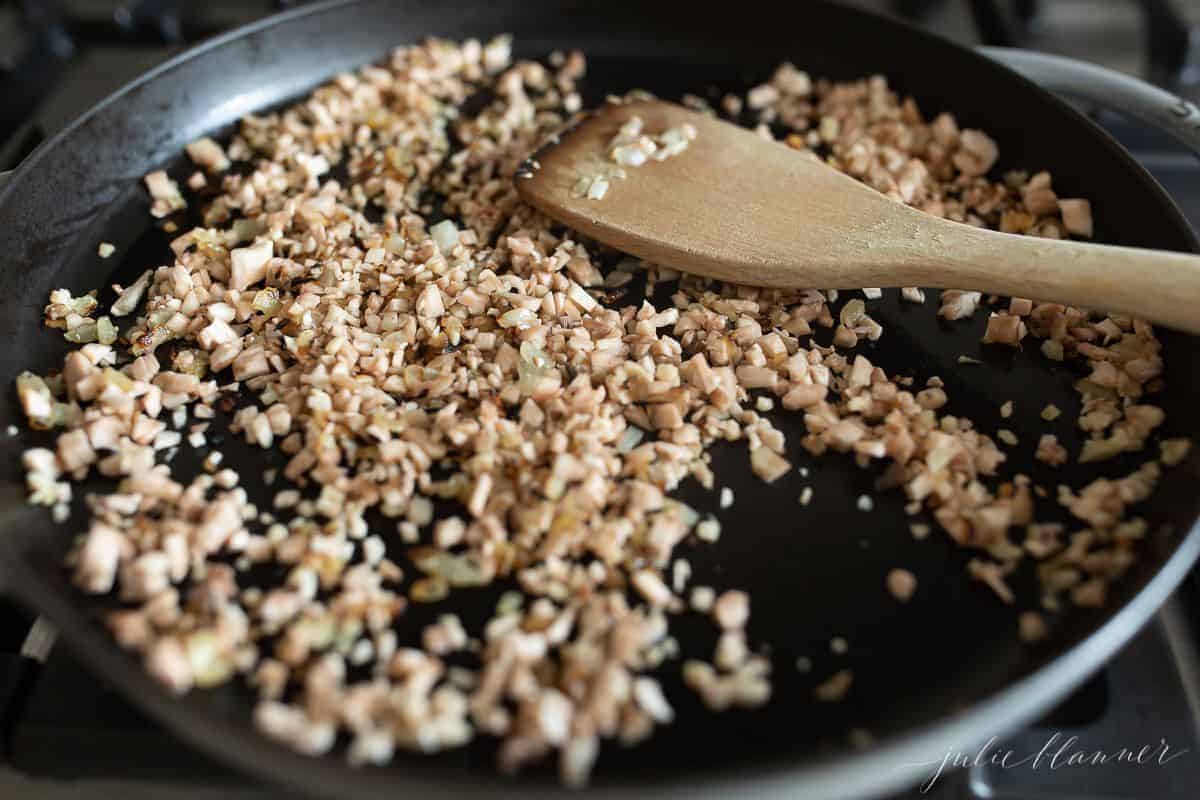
(1108, 88)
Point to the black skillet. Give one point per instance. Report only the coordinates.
(945, 670)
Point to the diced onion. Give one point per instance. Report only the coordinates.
(445, 235)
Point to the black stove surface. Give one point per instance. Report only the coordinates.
(1132, 731)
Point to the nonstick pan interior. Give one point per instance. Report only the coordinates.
(814, 573)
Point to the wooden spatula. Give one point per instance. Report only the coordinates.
(742, 208)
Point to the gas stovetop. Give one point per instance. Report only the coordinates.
(1132, 731)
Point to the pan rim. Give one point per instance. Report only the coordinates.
(887, 766)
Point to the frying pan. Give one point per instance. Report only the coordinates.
(945, 670)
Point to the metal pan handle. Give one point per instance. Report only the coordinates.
(1105, 87)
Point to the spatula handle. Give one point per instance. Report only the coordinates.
(1155, 285)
